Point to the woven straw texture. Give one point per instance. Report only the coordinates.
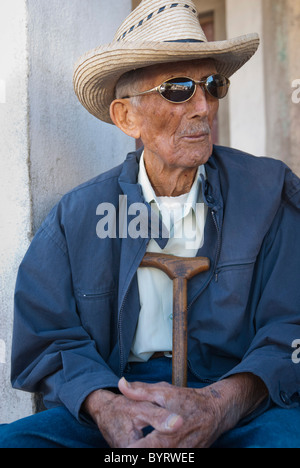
(147, 38)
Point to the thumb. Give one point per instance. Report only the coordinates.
(139, 391)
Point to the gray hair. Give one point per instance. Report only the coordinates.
(129, 84)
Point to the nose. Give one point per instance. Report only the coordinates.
(199, 102)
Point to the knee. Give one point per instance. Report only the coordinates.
(19, 435)
(11, 437)
(277, 428)
(280, 427)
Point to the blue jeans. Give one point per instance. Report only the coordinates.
(57, 428)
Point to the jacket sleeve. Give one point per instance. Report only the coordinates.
(275, 308)
(52, 352)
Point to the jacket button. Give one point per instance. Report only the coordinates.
(285, 398)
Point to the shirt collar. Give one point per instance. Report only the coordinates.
(150, 196)
(145, 183)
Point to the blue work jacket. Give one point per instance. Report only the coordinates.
(77, 302)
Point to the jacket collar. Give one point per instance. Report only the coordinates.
(133, 250)
(128, 182)
(212, 189)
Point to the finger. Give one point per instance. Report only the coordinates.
(139, 391)
(159, 418)
(155, 440)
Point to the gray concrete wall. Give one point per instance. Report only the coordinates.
(15, 208)
(49, 143)
(282, 68)
(247, 94)
(67, 144)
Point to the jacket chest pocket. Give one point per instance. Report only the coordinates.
(98, 311)
(233, 283)
(233, 268)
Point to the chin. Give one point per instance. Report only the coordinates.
(198, 155)
(198, 159)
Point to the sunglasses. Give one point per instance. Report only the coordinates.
(182, 89)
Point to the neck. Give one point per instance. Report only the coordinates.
(169, 181)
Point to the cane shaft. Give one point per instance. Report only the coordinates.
(180, 325)
(179, 270)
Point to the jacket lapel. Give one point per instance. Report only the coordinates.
(134, 249)
(211, 194)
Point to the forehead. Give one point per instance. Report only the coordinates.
(193, 69)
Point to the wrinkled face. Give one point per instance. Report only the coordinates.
(179, 134)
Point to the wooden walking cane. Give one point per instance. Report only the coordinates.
(180, 270)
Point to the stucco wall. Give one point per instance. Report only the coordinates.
(49, 143)
(282, 39)
(247, 94)
(67, 144)
(15, 210)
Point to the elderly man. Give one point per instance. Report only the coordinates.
(93, 331)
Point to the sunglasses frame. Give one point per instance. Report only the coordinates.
(202, 83)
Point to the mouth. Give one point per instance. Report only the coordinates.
(196, 133)
(196, 136)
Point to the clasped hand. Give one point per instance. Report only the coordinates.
(180, 417)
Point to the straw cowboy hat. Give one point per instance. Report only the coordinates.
(157, 31)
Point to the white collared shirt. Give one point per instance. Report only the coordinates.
(184, 217)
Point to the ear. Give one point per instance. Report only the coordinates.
(126, 117)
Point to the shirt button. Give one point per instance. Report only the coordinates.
(171, 317)
(285, 398)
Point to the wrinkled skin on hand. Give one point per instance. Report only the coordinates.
(121, 420)
(181, 417)
(199, 416)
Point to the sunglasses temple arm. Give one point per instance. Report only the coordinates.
(144, 92)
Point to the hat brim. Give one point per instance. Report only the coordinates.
(97, 72)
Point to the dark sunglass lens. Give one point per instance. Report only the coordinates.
(217, 86)
(177, 89)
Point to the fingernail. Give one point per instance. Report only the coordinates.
(127, 384)
(171, 421)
